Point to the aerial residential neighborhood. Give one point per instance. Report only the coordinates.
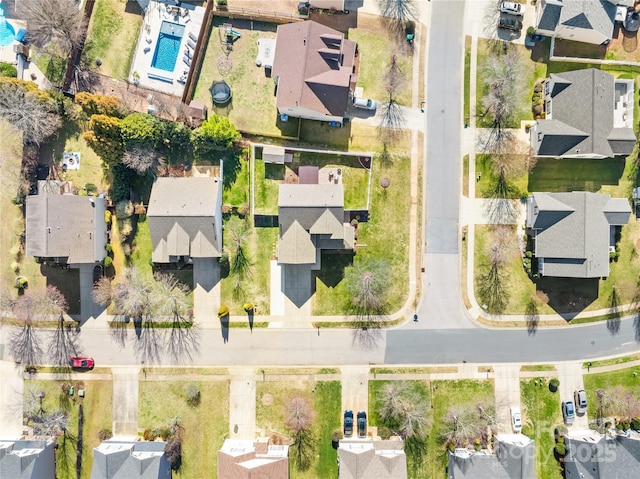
(350, 239)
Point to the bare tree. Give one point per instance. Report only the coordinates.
(144, 161)
(170, 299)
(400, 10)
(620, 402)
(28, 112)
(24, 343)
(367, 285)
(53, 21)
(503, 75)
(102, 293)
(461, 424)
(401, 408)
(501, 248)
(63, 344)
(298, 414)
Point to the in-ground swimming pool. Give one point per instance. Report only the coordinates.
(7, 32)
(168, 46)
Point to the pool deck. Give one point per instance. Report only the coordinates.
(153, 78)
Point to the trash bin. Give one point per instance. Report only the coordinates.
(71, 391)
(81, 393)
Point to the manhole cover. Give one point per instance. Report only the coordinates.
(267, 399)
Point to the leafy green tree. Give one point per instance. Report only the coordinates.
(141, 130)
(177, 139)
(105, 138)
(216, 134)
(95, 104)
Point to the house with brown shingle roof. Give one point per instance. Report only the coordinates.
(372, 459)
(315, 68)
(246, 459)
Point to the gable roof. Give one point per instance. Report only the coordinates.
(311, 217)
(182, 217)
(573, 231)
(602, 457)
(582, 116)
(27, 459)
(66, 226)
(124, 459)
(367, 459)
(596, 15)
(513, 460)
(314, 65)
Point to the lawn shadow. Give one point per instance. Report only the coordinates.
(571, 174)
(569, 296)
(67, 280)
(320, 133)
(333, 266)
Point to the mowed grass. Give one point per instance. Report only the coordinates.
(623, 378)
(448, 395)
(325, 399)
(97, 407)
(90, 171)
(552, 175)
(142, 248)
(488, 178)
(384, 237)
(253, 108)
(112, 36)
(540, 415)
(268, 178)
(205, 426)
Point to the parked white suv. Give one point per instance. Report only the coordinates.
(516, 419)
(512, 8)
(365, 103)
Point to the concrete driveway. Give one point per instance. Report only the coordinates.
(355, 388)
(206, 295)
(507, 394)
(11, 392)
(570, 377)
(125, 401)
(242, 403)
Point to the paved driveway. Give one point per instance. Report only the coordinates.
(507, 394)
(206, 296)
(242, 403)
(125, 401)
(570, 377)
(11, 392)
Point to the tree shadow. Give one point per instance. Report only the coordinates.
(569, 296)
(636, 326)
(250, 316)
(366, 337)
(532, 316)
(150, 343)
(500, 211)
(613, 323)
(183, 341)
(224, 325)
(118, 329)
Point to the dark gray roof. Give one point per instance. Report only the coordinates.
(595, 15)
(550, 17)
(27, 459)
(573, 231)
(66, 226)
(182, 217)
(602, 458)
(582, 117)
(367, 459)
(122, 459)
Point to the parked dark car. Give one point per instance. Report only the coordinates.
(81, 363)
(510, 24)
(362, 424)
(348, 423)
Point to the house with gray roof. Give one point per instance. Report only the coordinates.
(513, 459)
(128, 459)
(69, 229)
(249, 459)
(185, 218)
(27, 458)
(587, 114)
(364, 458)
(311, 218)
(573, 233)
(595, 456)
(316, 70)
(589, 21)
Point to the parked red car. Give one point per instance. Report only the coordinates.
(81, 363)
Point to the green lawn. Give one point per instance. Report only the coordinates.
(97, 407)
(624, 379)
(142, 248)
(268, 177)
(388, 225)
(113, 33)
(376, 49)
(488, 179)
(237, 192)
(325, 398)
(205, 426)
(610, 361)
(540, 415)
(467, 77)
(551, 175)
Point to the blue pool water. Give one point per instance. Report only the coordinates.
(7, 32)
(168, 46)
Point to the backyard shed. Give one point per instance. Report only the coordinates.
(198, 110)
(273, 154)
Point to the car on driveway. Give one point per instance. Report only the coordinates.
(580, 399)
(512, 8)
(362, 424)
(81, 363)
(516, 419)
(365, 103)
(348, 423)
(568, 412)
(510, 24)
